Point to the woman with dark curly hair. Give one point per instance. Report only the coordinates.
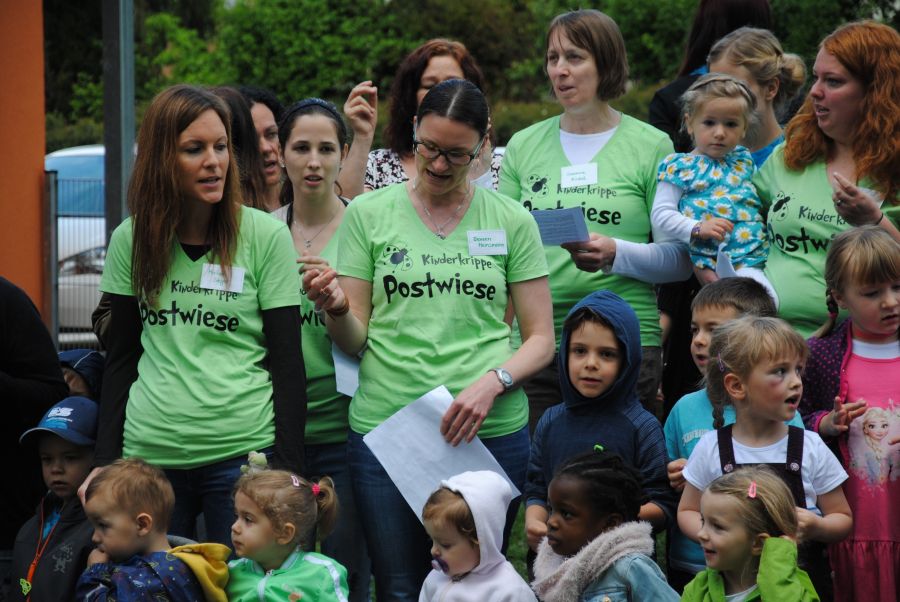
(428, 65)
(839, 166)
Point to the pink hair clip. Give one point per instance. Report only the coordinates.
(751, 490)
(721, 363)
(295, 480)
(316, 489)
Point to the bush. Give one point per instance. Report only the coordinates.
(510, 117)
(61, 134)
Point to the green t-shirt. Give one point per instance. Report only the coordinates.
(800, 223)
(437, 311)
(326, 412)
(618, 205)
(203, 393)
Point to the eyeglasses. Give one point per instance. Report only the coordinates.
(453, 157)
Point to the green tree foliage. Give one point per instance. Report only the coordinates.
(171, 54)
(300, 48)
(309, 47)
(655, 34)
(497, 32)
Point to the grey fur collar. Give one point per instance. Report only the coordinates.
(560, 579)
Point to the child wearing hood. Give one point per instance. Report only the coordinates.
(599, 362)
(465, 519)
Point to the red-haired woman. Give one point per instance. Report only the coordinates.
(839, 166)
(204, 360)
(428, 65)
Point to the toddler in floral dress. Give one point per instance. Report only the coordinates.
(705, 197)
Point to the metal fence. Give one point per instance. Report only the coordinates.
(77, 234)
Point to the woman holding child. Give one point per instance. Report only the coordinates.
(204, 360)
(426, 270)
(595, 158)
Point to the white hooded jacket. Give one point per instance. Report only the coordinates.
(494, 579)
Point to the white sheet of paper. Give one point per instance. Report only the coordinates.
(412, 450)
(724, 267)
(346, 371)
(561, 225)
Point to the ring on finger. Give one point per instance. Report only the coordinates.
(838, 202)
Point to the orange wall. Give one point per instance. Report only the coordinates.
(22, 146)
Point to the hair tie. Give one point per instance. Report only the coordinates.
(295, 480)
(598, 448)
(751, 490)
(316, 489)
(833, 315)
(721, 363)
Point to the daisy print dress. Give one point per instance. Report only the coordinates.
(720, 188)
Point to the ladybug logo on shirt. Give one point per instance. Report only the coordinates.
(398, 256)
(780, 208)
(537, 184)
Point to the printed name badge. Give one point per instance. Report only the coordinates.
(579, 175)
(213, 278)
(487, 242)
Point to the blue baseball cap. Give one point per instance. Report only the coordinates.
(74, 419)
(88, 364)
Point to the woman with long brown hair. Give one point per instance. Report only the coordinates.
(204, 358)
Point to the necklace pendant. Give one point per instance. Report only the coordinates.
(441, 235)
(307, 243)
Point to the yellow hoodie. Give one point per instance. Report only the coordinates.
(208, 562)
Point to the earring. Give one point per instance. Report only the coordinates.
(282, 164)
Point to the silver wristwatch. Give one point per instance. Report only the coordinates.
(504, 377)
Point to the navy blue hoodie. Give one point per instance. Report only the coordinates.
(615, 419)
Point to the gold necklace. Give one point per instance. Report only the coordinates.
(439, 229)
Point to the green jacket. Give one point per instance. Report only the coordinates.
(303, 576)
(779, 578)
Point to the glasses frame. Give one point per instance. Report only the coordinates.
(440, 152)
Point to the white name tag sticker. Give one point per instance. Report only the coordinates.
(579, 175)
(213, 278)
(487, 242)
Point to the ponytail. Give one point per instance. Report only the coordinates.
(828, 327)
(326, 506)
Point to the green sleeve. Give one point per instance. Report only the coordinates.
(116, 277)
(527, 259)
(663, 150)
(355, 257)
(779, 576)
(277, 269)
(509, 176)
(765, 179)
